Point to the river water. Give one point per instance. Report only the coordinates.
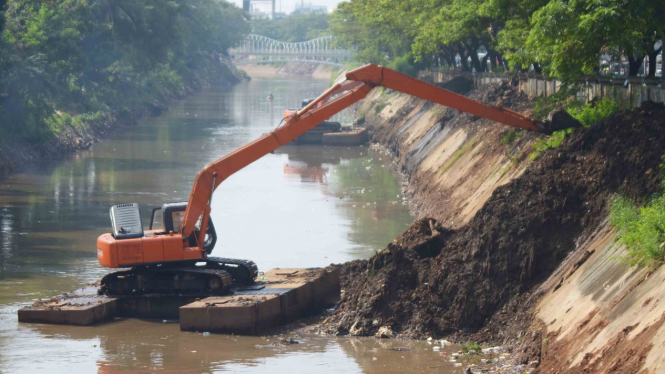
(303, 206)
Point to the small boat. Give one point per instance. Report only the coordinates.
(271, 97)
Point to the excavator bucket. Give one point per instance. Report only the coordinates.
(559, 119)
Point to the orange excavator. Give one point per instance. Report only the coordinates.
(172, 256)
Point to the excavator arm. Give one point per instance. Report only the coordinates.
(357, 85)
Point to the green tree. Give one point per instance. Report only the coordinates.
(3, 5)
(566, 37)
(380, 30)
(562, 38)
(66, 62)
(466, 25)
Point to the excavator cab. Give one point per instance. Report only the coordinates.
(168, 218)
(126, 223)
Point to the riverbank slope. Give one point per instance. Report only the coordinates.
(17, 154)
(513, 247)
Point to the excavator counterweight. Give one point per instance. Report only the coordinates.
(172, 255)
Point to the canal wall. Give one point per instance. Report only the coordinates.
(453, 161)
(18, 155)
(588, 310)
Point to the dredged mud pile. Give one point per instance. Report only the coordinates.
(433, 282)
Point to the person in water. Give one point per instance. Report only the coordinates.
(270, 97)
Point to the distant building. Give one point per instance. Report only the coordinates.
(260, 9)
(303, 8)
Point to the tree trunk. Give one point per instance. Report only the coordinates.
(537, 67)
(483, 62)
(474, 56)
(463, 60)
(447, 55)
(461, 48)
(494, 58)
(634, 65)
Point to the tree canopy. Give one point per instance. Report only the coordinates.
(561, 38)
(294, 28)
(67, 61)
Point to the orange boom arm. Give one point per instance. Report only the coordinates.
(358, 84)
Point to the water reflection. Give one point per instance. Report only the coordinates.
(310, 161)
(302, 206)
(113, 347)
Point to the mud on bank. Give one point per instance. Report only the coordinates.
(479, 280)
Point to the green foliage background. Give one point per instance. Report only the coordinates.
(294, 28)
(71, 62)
(560, 38)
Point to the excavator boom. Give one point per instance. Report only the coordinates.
(357, 85)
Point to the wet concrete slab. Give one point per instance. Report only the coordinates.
(279, 296)
(82, 307)
(282, 296)
(349, 138)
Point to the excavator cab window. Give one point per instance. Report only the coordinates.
(169, 217)
(157, 220)
(172, 220)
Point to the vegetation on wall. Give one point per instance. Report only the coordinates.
(588, 115)
(641, 229)
(68, 62)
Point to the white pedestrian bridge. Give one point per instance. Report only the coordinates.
(257, 49)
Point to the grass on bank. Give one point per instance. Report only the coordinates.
(471, 346)
(510, 136)
(641, 228)
(588, 115)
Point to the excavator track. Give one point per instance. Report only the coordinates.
(183, 280)
(243, 271)
(212, 276)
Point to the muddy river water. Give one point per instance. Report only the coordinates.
(304, 206)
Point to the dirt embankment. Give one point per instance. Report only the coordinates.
(488, 273)
(16, 155)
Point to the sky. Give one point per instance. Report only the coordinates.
(289, 5)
